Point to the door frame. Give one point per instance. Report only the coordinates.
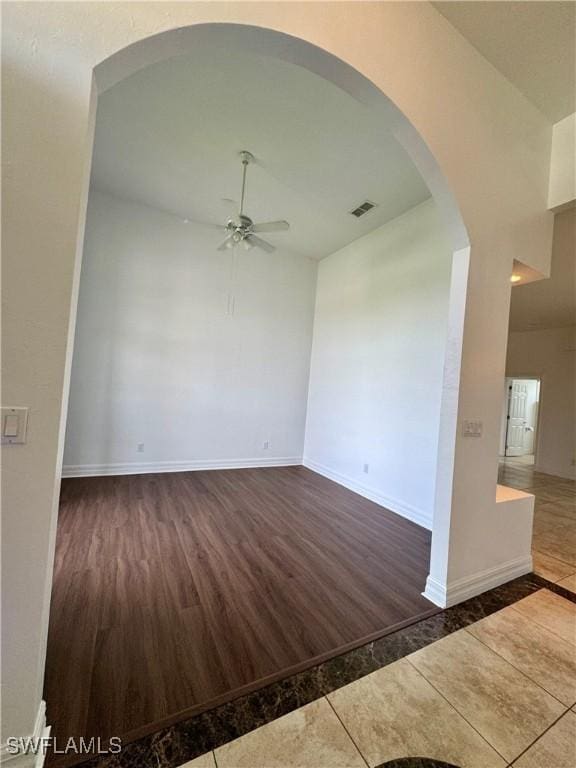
(532, 377)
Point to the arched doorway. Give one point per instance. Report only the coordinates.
(433, 99)
(271, 43)
(233, 39)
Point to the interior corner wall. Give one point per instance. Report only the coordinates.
(550, 354)
(377, 363)
(198, 356)
(562, 185)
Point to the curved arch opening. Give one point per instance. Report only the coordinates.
(279, 45)
(256, 41)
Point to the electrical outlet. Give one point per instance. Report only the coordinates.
(366, 468)
(140, 448)
(266, 445)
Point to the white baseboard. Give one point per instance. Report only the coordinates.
(470, 586)
(565, 474)
(151, 467)
(417, 516)
(31, 760)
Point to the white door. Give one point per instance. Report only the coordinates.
(517, 418)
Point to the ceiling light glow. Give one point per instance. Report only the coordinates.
(515, 278)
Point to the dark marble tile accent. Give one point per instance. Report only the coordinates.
(194, 736)
(415, 762)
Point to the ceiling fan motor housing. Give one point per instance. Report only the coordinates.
(242, 226)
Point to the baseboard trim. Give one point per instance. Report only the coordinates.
(398, 507)
(152, 467)
(563, 474)
(435, 591)
(462, 589)
(30, 760)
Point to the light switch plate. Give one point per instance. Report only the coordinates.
(14, 424)
(472, 428)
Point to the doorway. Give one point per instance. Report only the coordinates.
(168, 566)
(522, 406)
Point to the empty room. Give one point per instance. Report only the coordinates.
(252, 430)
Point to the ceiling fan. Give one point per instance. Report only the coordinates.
(241, 228)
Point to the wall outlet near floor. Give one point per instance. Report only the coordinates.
(140, 448)
(266, 445)
(366, 468)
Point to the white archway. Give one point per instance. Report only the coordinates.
(271, 43)
(484, 138)
(268, 42)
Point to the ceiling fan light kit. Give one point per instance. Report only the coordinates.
(242, 229)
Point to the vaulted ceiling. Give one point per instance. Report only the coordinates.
(169, 137)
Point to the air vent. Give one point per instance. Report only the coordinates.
(363, 208)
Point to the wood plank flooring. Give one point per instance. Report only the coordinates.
(175, 592)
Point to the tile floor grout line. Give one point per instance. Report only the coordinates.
(564, 578)
(513, 605)
(455, 708)
(567, 576)
(214, 758)
(539, 737)
(520, 671)
(563, 562)
(347, 731)
(557, 589)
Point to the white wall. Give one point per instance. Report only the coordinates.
(201, 355)
(562, 188)
(496, 163)
(551, 355)
(377, 362)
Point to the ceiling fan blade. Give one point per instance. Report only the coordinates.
(208, 224)
(226, 244)
(257, 241)
(271, 226)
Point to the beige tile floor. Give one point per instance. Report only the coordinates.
(569, 582)
(495, 694)
(554, 536)
(204, 761)
(556, 748)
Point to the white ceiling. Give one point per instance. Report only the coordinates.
(533, 44)
(550, 303)
(169, 136)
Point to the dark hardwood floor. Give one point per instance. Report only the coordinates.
(175, 592)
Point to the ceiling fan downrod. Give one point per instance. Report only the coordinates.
(246, 158)
(243, 229)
